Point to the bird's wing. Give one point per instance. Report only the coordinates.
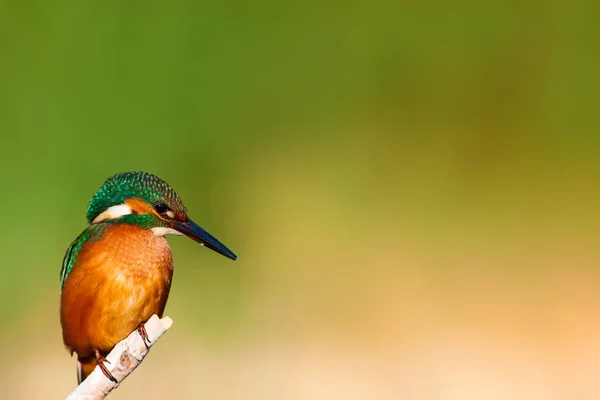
(92, 232)
(68, 262)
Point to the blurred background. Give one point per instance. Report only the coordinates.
(412, 191)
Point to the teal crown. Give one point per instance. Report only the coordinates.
(126, 185)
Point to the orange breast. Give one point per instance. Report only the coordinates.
(117, 283)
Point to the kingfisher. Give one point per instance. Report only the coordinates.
(117, 273)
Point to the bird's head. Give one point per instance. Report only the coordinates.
(146, 200)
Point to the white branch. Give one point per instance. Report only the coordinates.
(124, 358)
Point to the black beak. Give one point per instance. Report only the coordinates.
(195, 232)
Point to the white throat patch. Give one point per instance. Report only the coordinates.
(162, 231)
(113, 213)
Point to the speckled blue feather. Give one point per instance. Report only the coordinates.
(127, 185)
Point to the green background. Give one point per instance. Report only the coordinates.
(412, 190)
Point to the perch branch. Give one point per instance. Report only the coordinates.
(124, 358)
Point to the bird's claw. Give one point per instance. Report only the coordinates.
(101, 361)
(142, 331)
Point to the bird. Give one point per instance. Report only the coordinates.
(118, 271)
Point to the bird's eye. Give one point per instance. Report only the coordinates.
(161, 208)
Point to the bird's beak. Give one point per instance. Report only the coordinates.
(195, 232)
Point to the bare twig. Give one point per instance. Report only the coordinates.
(124, 358)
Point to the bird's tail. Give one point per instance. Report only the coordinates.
(85, 366)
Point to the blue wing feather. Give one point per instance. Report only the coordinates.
(91, 233)
(68, 263)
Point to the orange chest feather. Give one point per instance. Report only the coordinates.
(130, 250)
(118, 281)
(126, 258)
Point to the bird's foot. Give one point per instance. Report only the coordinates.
(142, 331)
(101, 360)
